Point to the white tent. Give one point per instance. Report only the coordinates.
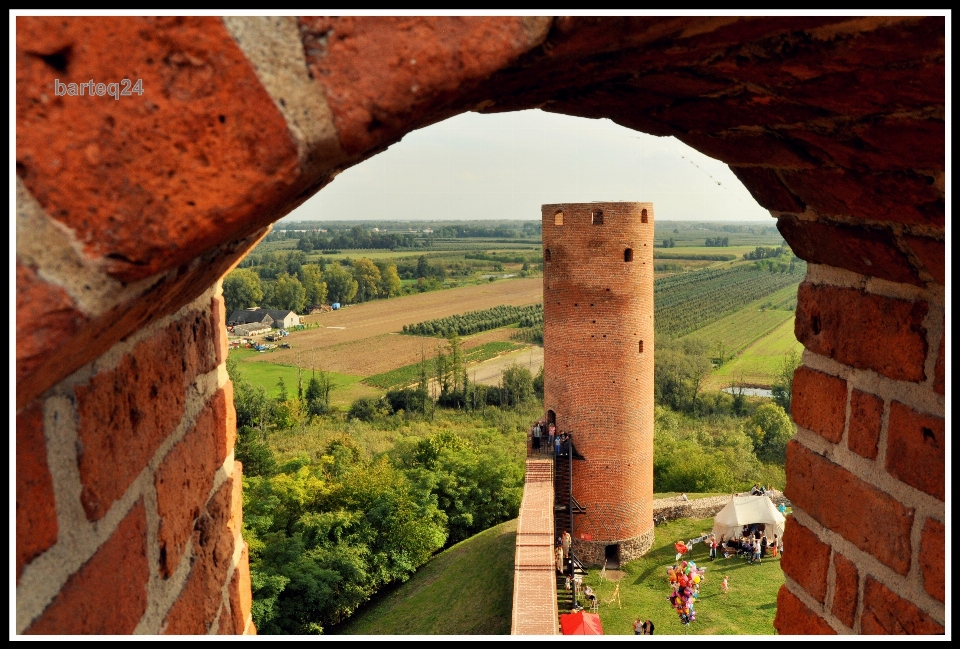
(746, 510)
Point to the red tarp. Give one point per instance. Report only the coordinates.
(581, 623)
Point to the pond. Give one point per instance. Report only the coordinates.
(752, 392)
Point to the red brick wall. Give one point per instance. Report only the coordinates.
(128, 496)
(597, 310)
(129, 211)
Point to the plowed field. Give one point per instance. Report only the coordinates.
(363, 339)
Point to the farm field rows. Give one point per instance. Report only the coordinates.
(748, 325)
(758, 363)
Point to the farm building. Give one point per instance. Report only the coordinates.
(277, 318)
(252, 329)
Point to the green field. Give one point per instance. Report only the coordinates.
(267, 375)
(748, 325)
(758, 363)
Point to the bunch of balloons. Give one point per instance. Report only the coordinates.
(685, 578)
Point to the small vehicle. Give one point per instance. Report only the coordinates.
(285, 345)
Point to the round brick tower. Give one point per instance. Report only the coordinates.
(598, 368)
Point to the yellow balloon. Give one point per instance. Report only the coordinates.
(696, 579)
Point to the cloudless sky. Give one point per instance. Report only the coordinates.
(506, 165)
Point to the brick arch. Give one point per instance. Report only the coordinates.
(129, 210)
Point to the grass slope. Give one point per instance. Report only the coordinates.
(409, 374)
(266, 375)
(465, 590)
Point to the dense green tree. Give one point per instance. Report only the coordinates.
(783, 386)
(390, 284)
(341, 286)
(367, 276)
(311, 276)
(771, 428)
(517, 385)
(242, 288)
(288, 293)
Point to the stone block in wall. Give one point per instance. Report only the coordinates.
(866, 413)
(184, 479)
(933, 558)
(834, 321)
(885, 612)
(795, 618)
(847, 585)
(36, 505)
(916, 449)
(871, 519)
(819, 403)
(807, 560)
(141, 401)
(108, 594)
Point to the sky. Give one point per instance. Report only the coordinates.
(506, 165)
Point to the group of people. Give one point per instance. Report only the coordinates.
(752, 544)
(547, 439)
(758, 490)
(562, 551)
(642, 627)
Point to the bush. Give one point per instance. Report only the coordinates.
(369, 408)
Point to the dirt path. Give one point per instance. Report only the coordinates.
(488, 372)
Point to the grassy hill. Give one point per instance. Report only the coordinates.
(465, 590)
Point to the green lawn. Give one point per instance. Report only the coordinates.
(465, 590)
(267, 375)
(748, 609)
(760, 361)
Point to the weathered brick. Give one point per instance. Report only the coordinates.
(125, 414)
(900, 197)
(916, 449)
(884, 612)
(808, 559)
(218, 320)
(185, 478)
(750, 148)
(746, 109)
(199, 343)
(47, 317)
(819, 403)
(938, 380)
(36, 506)
(933, 558)
(108, 594)
(142, 181)
(834, 322)
(241, 593)
(865, 147)
(795, 618)
(868, 251)
(847, 584)
(931, 254)
(97, 335)
(839, 500)
(371, 97)
(768, 189)
(198, 603)
(863, 434)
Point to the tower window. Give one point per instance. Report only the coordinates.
(597, 217)
(643, 216)
(641, 346)
(558, 218)
(628, 254)
(546, 254)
